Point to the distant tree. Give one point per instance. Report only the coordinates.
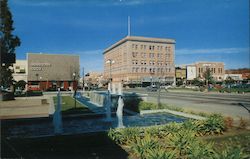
(21, 84)
(208, 76)
(229, 81)
(8, 43)
(197, 82)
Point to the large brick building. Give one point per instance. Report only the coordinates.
(140, 59)
(50, 71)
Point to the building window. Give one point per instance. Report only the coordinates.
(151, 47)
(158, 70)
(142, 69)
(133, 70)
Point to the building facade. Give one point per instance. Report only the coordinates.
(191, 72)
(93, 78)
(52, 71)
(216, 68)
(20, 70)
(140, 59)
(180, 75)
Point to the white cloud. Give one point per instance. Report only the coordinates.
(212, 51)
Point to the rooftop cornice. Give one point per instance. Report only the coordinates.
(140, 39)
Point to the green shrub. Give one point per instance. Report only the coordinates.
(124, 136)
(161, 153)
(242, 124)
(143, 147)
(214, 124)
(132, 102)
(152, 106)
(147, 106)
(228, 122)
(199, 149)
(231, 152)
(34, 93)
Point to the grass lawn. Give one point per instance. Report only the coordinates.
(233, 137)
(68, 106)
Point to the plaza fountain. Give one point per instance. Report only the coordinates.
(100, 119)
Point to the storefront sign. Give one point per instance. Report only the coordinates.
(39, 66)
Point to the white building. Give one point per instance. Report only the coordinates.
(236, 77)
(20, 70)
(191, 72)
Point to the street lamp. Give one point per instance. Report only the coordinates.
(74, 76)
(110, 62)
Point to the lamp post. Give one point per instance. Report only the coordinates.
(74, 76)
(110, 62)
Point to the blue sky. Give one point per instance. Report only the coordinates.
(204, 30)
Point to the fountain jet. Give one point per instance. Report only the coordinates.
(57, 118)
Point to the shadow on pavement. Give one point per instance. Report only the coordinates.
(93, 145)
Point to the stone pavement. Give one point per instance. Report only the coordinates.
(24, 107)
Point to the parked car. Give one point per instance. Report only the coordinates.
(152, 88)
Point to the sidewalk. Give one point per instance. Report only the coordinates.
(29, 107)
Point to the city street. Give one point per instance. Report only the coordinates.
(224, 103)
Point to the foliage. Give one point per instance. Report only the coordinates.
(229, 81)
(143, 147)
(132, 102)
(186, 144)
(124, 136)
(160, 153)
(208, 76)
(228, 122)
(231, 153)
(214, 124)
(21, 84)
(8, 43)
(152, 106)
(147, 106)
(34, 93)
(242, 124)
(176, 140)
(197, 82)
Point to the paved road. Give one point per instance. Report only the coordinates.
(226, 104)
